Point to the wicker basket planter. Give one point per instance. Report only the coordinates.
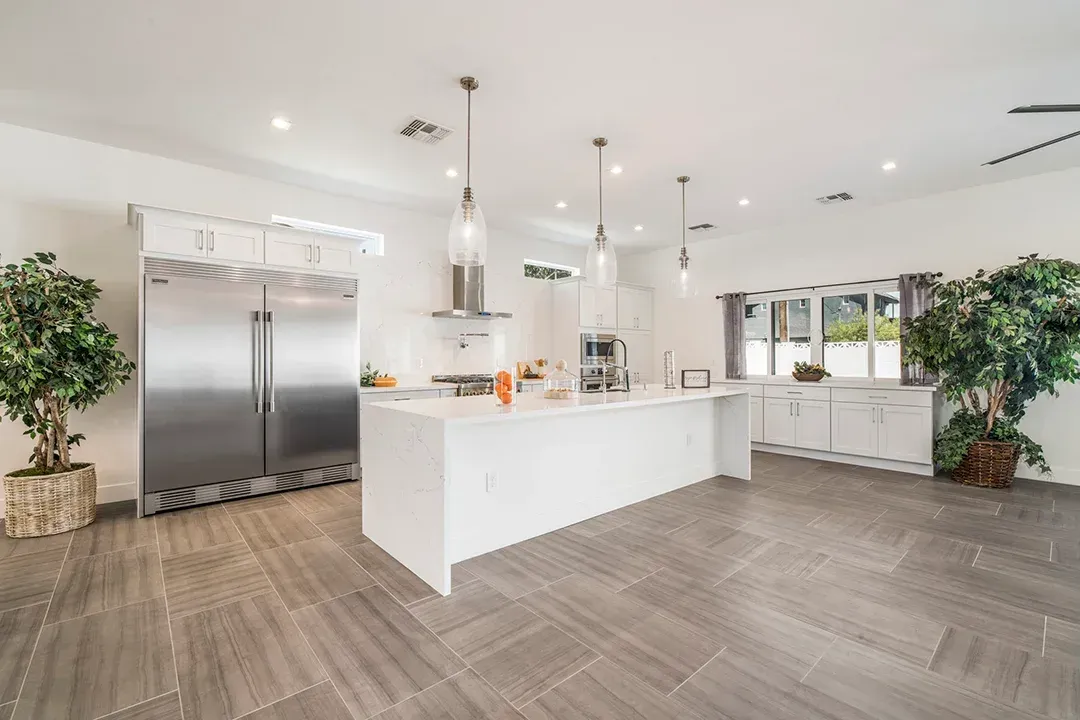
(807, 377)
(988, 463)
(40, 505)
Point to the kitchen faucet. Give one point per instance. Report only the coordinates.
(626, 372)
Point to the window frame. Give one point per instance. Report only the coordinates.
(574, 271)
(815, 295)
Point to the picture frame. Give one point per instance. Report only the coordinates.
(696, 379)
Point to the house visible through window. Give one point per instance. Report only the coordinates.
(548, 271)
(853, 330)
(370, 243)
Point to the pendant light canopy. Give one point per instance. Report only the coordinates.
(468, 231)
(601, 268)
(684, 281)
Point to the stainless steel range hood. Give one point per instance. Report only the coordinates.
(469, 296)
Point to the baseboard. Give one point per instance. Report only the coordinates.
(1067, 476)
(877, 463)
(105, 494)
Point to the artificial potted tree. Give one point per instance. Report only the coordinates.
(55, 357)
(997, 340)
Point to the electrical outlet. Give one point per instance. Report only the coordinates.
(689, 439)
(492, 482)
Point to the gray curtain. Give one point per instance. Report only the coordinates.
(734, 305)
(916, 298)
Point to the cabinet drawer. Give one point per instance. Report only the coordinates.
(373, 397)
(916, 398)
(788, 392)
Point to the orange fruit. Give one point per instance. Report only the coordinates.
(507, 397)
(503, 387)
(503, 377)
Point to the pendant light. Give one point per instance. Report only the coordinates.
(601, 267)
(684, 281)
(468, 232)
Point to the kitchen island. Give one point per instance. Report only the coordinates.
(447, 479)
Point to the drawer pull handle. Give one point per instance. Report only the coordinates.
(794, 392)
(878, 397)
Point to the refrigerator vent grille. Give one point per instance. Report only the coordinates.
(235, 489)
(269, 276)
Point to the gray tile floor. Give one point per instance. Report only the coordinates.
(815, 591)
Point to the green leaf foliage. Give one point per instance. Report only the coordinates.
(55, 356)
(855, 329)
(997, 340)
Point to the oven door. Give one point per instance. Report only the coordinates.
(594, 347)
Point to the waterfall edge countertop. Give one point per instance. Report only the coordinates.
(483, 408)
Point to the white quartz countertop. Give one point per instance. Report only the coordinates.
(483, 408)
(411, 384)
(829, 382)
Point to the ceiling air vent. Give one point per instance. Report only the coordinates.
(425, 131)
(833, 199)
(703, 227)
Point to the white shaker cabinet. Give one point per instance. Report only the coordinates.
(905, 433)
(598, 307)
(855, 428)
(757, 419)
(639, 355)
(635, 308)
(812, 425)
(174, 234)
(290, 249)
(779, 421)
(234, 241)
(336, 255)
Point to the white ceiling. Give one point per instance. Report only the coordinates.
(778, 101)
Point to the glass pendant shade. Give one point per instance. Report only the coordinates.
(468, 234)
(601, 266)
(683, 282)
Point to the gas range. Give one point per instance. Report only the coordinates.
(468, 384)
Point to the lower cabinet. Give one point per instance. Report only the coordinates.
(797, 423)
(891, 432)
(757, 419)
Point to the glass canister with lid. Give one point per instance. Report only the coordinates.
(561, 384)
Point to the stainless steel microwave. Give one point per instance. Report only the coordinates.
(595, 347)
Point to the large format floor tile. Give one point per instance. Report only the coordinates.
(462, 697)
(319, 499)
(391, 574)
(99, 663)
(163, 707)
(265, 529)
(10, 547)
(18, 635)
(343, 525)
(183, 531)
(516, 652)
(311, 571)
(213, 576)
(236, 658)
(595, 557)
(604, 692)
(321, 702)
(648, 646)
(514, 571)
(377, 653)
(102, 582)
(114, 529)
(29, 579)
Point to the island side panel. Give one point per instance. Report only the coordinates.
(404, 494)
(550, 472)
(733, 433)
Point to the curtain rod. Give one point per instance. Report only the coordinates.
(817, 287)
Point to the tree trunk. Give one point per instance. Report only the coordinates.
(61, 435)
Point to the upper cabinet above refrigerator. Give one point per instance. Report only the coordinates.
(173, 233)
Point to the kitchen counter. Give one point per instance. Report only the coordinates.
(448, 479)
(406, 385)
(483, 408)
(830, 382)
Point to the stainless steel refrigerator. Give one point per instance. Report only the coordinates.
(249, 382)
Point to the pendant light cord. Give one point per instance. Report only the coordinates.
(600, 168)
(468, 145)
(684, 218)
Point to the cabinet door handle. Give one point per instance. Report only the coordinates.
(882, 414)
(307, 253)
(873, 416)
(198, 240)
(211, 241)
(798, 409)
(790, 407)
(318, 253)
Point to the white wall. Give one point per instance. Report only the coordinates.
(71, 196)
(955, 233)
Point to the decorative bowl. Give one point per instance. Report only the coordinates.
(807, 377)
(385, 382)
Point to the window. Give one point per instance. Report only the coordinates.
(854, 330)
(548, 271)
(370, 243)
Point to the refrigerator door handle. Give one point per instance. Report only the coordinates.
(270, 358)
(257, 362)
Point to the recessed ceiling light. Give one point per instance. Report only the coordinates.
(616, 169)
(281, 123)
(560, 204)
(890, 165)
(451, 172)
(744, 201)
(639, 228)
